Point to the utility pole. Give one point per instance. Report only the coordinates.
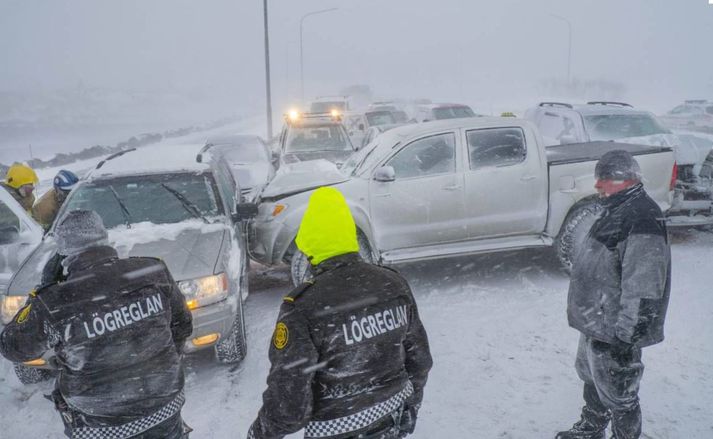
(268, 93)
(302, 65)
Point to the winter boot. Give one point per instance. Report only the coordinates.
(590, 426)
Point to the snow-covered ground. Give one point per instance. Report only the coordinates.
(503, 355)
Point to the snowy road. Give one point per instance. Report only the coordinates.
(502, 349)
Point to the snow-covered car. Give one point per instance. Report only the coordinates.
(161, 202)
(249, 158)
(692, 114)
(19, 234)
(429, 112)
(327, 104)
(308, 136)
(563, 123)
(454, 187)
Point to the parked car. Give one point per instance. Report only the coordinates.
(307, 136)
(429, 112)
(249, 158)
(170, 206)
(563, 123)
(692, 114)
(327, 104)
(454, 187)
(19, 234)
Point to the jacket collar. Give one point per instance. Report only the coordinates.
(88, 258)
(336, 262)
(616, 200)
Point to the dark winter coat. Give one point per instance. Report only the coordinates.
(116, 326)
(348, 349)
(621, 277)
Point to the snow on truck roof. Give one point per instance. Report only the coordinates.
(152, 160)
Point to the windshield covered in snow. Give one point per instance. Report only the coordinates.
(380, 118)
(620, 126)
(327, 137)
(453, 112)
(135, 199)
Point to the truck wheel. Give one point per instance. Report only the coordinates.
(300, 268)
(574, 231)
(233, 348)
(32, 375)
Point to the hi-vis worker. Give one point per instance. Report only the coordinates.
(20, 182)
(116, 328)
(46, 208)
(349, 354)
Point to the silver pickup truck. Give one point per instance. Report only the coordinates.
(453, 187)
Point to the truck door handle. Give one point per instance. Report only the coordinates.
(453, 187)
(528, 177)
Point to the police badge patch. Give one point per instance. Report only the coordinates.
(281, 336)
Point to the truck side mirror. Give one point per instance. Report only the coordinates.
(245, 211)
(385, 174)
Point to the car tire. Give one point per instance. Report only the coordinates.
(234, 348)
(32, 375)
(300, 268)
(574, 230)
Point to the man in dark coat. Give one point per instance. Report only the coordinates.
(618, 296)
(349, 354)
(116, 328)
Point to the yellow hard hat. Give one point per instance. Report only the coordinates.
(19, 175)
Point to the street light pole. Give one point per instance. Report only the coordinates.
(302, 67)
(569, 47)
(268, 93)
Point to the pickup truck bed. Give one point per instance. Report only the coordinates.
(592, 151)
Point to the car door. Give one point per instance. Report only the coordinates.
(423, 205)
(505, 183)
(19, 234)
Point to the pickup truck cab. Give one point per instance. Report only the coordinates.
(450, 188)
(562, 123)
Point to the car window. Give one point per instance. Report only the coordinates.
(380, 118)
(9, 222)
(428, 156)
(496, 147)
(226, 185)
(452, 112)
(141, 195)
(619, 126)
(554, 126)
(326, 107)
(327, 137)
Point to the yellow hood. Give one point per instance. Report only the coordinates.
(327, 229)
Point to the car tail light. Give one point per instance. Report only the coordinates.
(674, 177)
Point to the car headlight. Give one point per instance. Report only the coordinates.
(9, 306)
(204, 290)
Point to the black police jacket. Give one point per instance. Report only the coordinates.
(115, 326)
(348, 349)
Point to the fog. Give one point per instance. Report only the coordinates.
(162, 64)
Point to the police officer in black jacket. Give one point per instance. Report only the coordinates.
(116, 327)
(349, 354)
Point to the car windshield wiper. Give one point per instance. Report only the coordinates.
(124, 210)
(187, 204)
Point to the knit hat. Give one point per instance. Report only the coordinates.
(617, 165)
(78, 231)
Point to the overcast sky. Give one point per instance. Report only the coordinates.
(456, 50)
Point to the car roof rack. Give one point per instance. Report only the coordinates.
(617, 104)
(113, 156)
(555, 104)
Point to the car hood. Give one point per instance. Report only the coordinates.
(684, 153)
(190, 249)
(301, 176)
(333, 156)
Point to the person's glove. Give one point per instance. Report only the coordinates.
(622, 351)
(52, 271)
(407, 425)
